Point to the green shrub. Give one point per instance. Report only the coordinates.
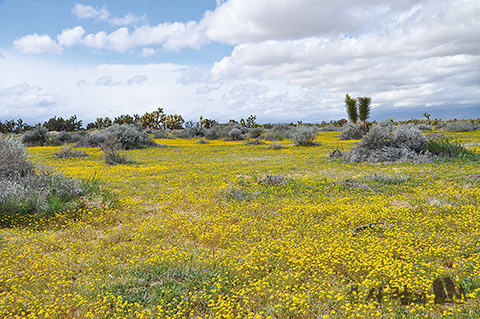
(443, 147)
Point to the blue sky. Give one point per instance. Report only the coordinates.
(283, 61)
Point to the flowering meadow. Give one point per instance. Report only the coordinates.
(234, 230)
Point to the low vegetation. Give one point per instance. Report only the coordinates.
(246, 226)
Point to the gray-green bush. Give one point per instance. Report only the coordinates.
(383, 144)
(304, 136)
(126, 136)
(352, 132)
(24, 194)
(35, 137)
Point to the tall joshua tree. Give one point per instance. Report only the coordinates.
(351, 105)
(364, 108)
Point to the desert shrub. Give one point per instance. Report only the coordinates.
(191, 132)
(214, 133)
(330, 128)
(66, 151)
(460, 127)
(255, 132)
(126, 136)
(110, 148)
(409, 137)
(160, 134)
(235, 134)
(25, 194)
(443, 147)
(202, 141)
(381, 144)
(304, 136)
(63, 137)
(91, 139)
(35, 137)
(13, 159)
(282, 130)
(423, 127)
(352, 132)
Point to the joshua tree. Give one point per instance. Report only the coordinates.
(364, 108)
(351, 105)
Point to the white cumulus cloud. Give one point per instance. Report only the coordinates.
(70, 37)
(37, 44)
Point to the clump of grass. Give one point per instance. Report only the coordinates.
(237, 193)
(66, 152)
(352, 184)
(254, 142)
(443, 147)
(171, 286)
(276, 146)
(271, 180)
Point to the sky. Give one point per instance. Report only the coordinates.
(281, 60)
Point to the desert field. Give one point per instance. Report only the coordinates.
(228, 229)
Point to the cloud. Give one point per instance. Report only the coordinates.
(81, 83)
(89, 12)
(128, 19)
(118, 40)
(70, 37)
(2, 56)
(107, 81)
(137, 79)
(37, 44)
(147, 52)
(27, 100)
